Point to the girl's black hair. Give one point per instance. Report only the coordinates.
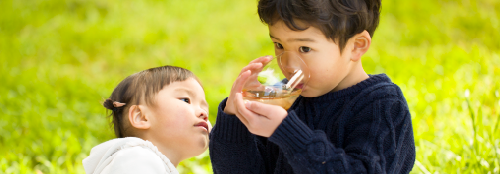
(139, 88)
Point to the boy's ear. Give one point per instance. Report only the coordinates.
(138, 118)
(361, 43)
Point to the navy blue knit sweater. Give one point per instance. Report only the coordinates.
(365, 128)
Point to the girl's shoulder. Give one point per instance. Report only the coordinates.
(127, 155)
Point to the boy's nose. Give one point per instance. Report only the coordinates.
(288, 72)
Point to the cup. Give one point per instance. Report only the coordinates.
(279, 82)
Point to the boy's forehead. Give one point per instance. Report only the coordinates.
(280, 31)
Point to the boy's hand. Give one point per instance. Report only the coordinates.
(259, 118)
(249, 72)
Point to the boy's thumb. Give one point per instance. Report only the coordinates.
(261, 108)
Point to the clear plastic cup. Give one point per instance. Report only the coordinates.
(280, 82)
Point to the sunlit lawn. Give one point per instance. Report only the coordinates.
(59, 59)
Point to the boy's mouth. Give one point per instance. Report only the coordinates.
(300, 86)
(202, 124)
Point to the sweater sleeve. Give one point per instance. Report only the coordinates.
(232, 146)
(377, 139)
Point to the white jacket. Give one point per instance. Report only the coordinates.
(127, 155)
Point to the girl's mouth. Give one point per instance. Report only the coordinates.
(203, 125)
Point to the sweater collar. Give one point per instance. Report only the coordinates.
(372, 80)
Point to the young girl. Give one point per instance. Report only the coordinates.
(160, 117)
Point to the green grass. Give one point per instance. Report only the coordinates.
(59, 59)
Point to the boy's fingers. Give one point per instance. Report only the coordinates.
(251, 66)
(256, 65)
(240, 81)
(238, 114)
(263, 109)
(209, 126)
(249, 116)
(263, 59)
(237, 88)
(242, 119)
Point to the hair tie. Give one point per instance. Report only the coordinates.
(118, 104)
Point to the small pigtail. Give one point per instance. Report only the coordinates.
(108, 104)
(116, 113)
(112, 105)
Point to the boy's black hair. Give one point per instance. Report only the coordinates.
(339, 20)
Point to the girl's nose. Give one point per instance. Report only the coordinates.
(203, 114)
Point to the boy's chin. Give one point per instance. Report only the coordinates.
(304, 95)
(308, 93)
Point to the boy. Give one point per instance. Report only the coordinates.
(345, 121)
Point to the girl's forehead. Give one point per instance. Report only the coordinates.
(189, 87)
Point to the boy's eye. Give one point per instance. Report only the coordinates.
(304, 49)
(185, 100)
(278, 45)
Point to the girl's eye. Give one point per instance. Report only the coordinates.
(304, 49)
(278, 45)
(185, 100)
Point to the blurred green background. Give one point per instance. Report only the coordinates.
(60, 58)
